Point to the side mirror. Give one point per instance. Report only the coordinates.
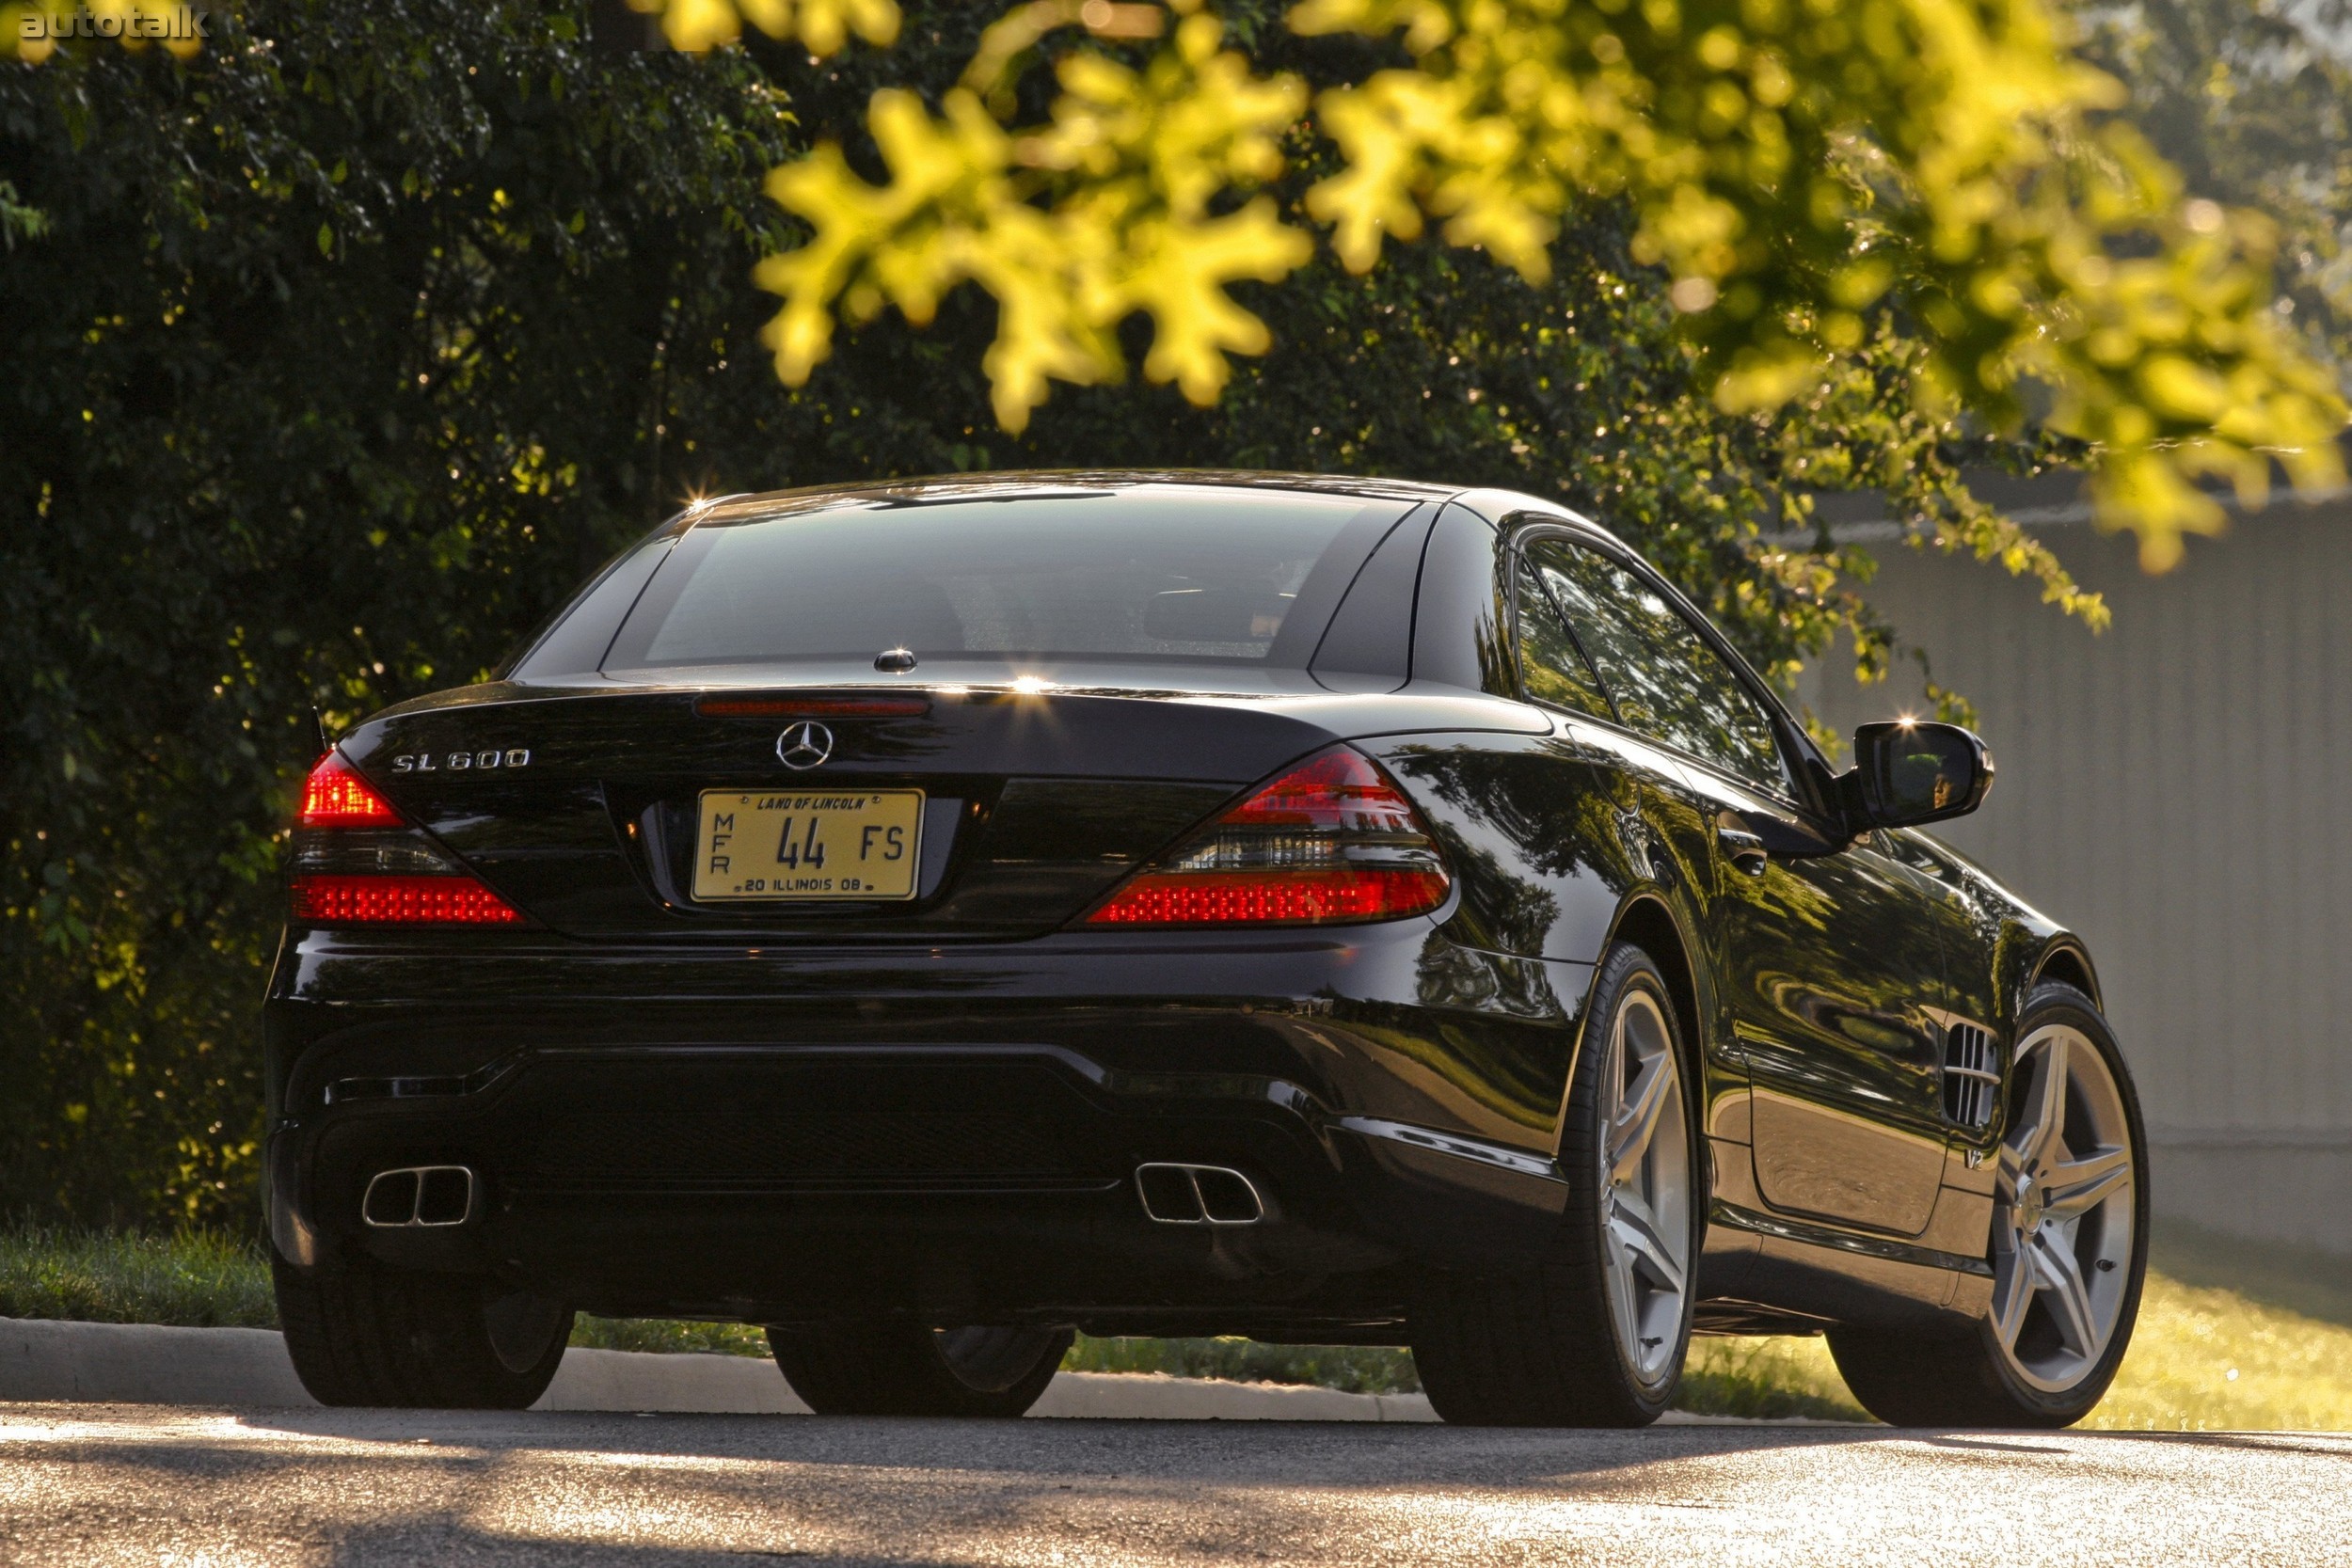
(1908, 773)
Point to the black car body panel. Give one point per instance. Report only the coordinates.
(937, 1106)
(1045, 800)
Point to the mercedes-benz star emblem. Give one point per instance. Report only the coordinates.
(805, 744)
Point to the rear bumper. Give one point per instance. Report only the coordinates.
(953, 1132)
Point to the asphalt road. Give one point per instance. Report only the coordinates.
(161, 1484)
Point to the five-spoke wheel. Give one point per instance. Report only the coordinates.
(1645, 1187)
(2064, 1221)
(2068, 1249)
(1591, 1332)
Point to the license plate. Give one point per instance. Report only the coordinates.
(819, 844)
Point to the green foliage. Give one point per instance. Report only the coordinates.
(1807, 175)
(669, 1336)
(16, 219)
(2252, 100)
(1800, 168)
(1765, 1380)
(1442, 364)
(344, 347)
(1072, 226)
(202, 1279)
(1355, 1368)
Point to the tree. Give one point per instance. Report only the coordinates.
(333, 354)
(2253, 103)
(1803, 174)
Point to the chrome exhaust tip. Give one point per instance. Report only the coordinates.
(418, 1197)
(1198, 1195)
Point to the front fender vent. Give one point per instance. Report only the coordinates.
(1969, 1081)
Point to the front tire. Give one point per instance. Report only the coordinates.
(363, 1334)
(896, 1369)
(2068, 1247)
(1594, 1334)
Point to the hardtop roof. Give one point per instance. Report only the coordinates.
(938, 488)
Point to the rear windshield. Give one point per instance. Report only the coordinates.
(1154, 573)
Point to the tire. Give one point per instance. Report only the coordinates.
(2060, 1278)
(367, 1334)
(897, 1369)
(1594, 1334)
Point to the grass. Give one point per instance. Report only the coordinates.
(663, 1334)
(1356, 1368)
(1765, 1380)
(2237, 1336)
(199, 1279)
(2231, 1337)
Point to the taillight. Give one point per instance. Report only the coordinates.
(1333, 840)
(380, 900)
(356, 862)
(335, 795)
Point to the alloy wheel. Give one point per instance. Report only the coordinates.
(1645, 1187)
(2062, 1229)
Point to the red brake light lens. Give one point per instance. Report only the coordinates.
(1333, 840)
(376, 900)
(335, 795)
(1287, 898)
(369, 867)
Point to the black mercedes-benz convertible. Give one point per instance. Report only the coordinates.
(930, 918)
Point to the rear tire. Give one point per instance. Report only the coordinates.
(1593, 1333)
(366, 1334)
(897, 1369)
(2068, 1247)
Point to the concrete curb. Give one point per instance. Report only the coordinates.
(145, 1364)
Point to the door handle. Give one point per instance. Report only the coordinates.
(1742, 848)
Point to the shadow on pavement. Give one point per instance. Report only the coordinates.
(1342, 1453)
(437, 1543)
(356, 1488)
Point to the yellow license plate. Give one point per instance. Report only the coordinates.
(808, 844)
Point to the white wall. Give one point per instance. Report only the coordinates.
(2178, 790)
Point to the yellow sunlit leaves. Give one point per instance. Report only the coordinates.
(823, 27)
(1791, 165)
(1799, 172)
(1074, 226)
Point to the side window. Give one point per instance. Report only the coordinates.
(1553, 667)
(1667, 682)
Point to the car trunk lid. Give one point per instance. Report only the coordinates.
(581, 805)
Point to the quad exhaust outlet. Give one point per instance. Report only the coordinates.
(418, 1197)
(1198, 1195)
